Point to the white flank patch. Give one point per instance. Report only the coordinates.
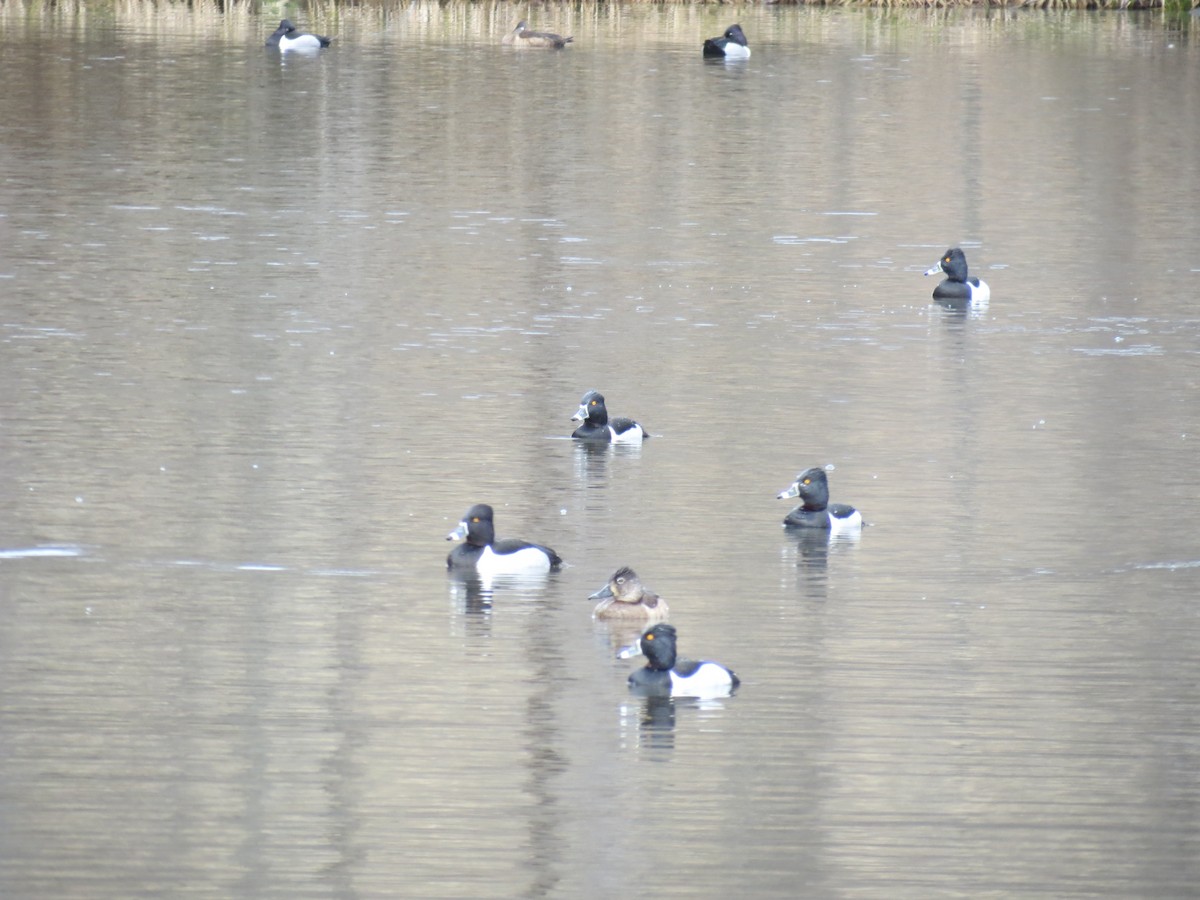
(981, 294)
(852, 522)
(526, 561)
(710, 680)
(633, 435)
(304, 42)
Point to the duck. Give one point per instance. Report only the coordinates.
(488, 556)
(521, 36)
(625, 597)
(597, 426)
(957, 287)
(815, 510)
(665, 675)
(731, 45)
(286, 37)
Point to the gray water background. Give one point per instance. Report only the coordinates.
(268, 326)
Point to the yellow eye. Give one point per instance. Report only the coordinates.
(808, 481)
(649, 637)
(945, 259)
(476, 519)
(593, 403)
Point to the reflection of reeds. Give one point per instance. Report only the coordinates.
(1182, 5)
(480, 22)
(1104, 4)
(635, 22)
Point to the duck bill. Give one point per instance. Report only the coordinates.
(580, 414)
(793, 491)
(631, 651)
(603, 594)
(934, 270)
(458, 533)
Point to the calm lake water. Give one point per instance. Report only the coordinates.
(270, 325)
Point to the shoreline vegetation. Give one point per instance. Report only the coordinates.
(332, 8)
(486, 21)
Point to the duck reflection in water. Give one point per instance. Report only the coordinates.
(470, 592)
(474, 593)
(812, 549)
(807, 552)
(649, 721)
(652, 720)
(592, 459)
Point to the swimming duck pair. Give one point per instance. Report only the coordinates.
(731, 45)
(513, 556)
(625, 598)
(624, 595)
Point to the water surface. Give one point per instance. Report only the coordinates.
(270, 325)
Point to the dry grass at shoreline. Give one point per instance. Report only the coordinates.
(327, 8)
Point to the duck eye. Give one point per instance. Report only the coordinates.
(808, 481)
(649, 637)
(475, 519)
(593, 403)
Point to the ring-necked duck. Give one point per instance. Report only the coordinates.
(286, 37)
(666, 675)
(597, 426)
(521, 36)
(731, 45)
(492, 557)
(957, 287)
(625, 597)
(815, 510)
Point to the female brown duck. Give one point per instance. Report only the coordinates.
(521, 36)
(625, 597)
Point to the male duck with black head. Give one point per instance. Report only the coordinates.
(598, 427)
(815, 510)
(958, 289)
(522, 36)
(731, 45)
(287, 37)
(666, 675)
(484, 554)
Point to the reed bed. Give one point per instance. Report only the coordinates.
(483, 21)
(325, 10)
